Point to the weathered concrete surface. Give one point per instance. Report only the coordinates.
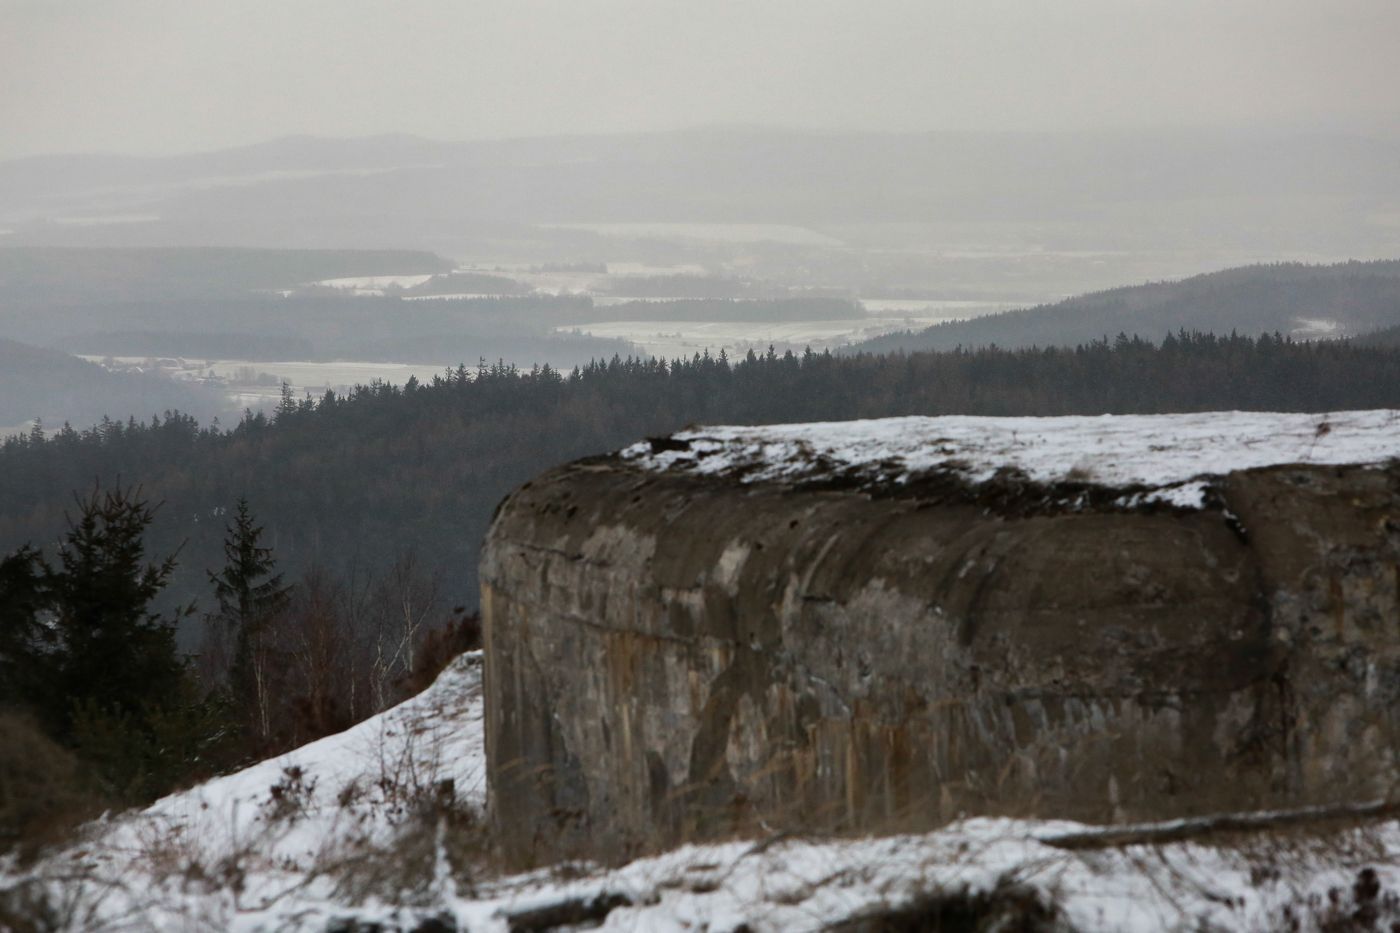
(670, 657)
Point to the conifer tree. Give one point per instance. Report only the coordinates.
(114, 653)
(287, 405)
(25, 642)
(84, 651)
(251, 596)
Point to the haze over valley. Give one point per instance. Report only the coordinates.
(529, 465)
(326, 262)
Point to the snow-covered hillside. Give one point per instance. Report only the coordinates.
(251, 850)
(1170, 455)
(289, 843)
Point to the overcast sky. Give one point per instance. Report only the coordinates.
(159, 76)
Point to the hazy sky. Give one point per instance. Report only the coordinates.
(158, 76)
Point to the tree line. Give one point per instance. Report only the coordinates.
(422, 466)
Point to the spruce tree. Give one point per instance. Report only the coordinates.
(113, 652)
(84, 651)
(251, 596)
(26, 643)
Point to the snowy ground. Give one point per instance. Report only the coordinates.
(1171, 455)
(264, 849)
(240, 851)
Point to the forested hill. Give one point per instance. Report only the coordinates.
(1339, 300)
(57, 276)
(355, 482)
(52, 386)
(1385, 337)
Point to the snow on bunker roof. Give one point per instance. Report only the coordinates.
(1165, 458)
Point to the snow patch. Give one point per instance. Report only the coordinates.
(1172, 455)
(374, 284)
(1310, 328)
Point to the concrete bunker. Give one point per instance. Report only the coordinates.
(709, 634)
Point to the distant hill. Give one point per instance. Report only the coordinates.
(1385, 337)
(58, 275)
(217, 303)
(1009, 216)
(351, 191)
(56, 387)
(1305, 301)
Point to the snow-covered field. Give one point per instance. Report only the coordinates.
(945, 309)
(647, 269)
(672, 339)
(1171, 455)
(455, 296)
(373, 284)
(258, 384)
(277, 847)
(712, 232)
(300, 374)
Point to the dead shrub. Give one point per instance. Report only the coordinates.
(25, 908)
(290, 798)
(438, 846)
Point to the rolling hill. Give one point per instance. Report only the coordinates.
(55, 387)
(1293, 299)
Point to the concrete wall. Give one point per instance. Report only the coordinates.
(670, 657)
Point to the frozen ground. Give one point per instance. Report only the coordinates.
(1164, 457)
(268, 848)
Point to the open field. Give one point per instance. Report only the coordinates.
(257, 384)
(670, 339)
